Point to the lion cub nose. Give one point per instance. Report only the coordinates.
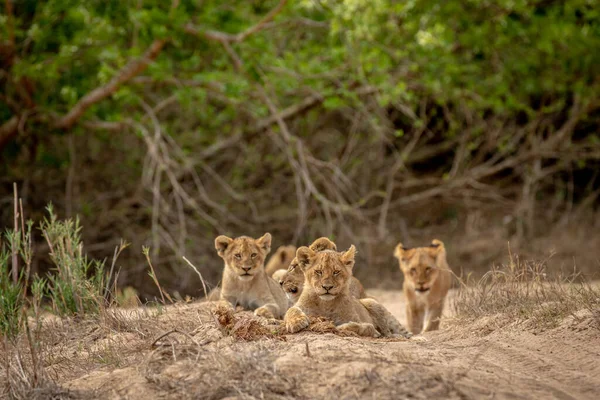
(246, 268)
(327, 287)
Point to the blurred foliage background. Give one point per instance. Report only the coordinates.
(369, 121)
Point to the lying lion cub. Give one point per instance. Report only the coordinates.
(245, 282)
(280, 260)
(292, 281)
(326, 293)
(427, 279)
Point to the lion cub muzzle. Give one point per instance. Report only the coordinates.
(421, 289)
(246, 275)
(327, 291)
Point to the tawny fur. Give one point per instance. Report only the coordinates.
(326, 293)
(427, 278)
(214, 294)
(278, 275)
(245, 282)
(281, 259)
(292, 281)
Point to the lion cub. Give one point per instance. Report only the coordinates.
(280, 260)
(427, 278)
(326, 293)
(245, 282)
(292, 281)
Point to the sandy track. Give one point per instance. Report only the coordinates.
(468, 362)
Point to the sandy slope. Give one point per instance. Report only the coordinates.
(476, 361)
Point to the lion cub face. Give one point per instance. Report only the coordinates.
(244, 255)
(327, 272)
(292, 282)
(420, 264)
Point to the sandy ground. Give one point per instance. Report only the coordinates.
(463, 362)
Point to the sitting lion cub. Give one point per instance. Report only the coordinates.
(245, 282)
(427, 279)
(292, 281)
(326, 293)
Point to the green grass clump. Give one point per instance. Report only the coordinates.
(78, 285)
(15, 245)
(11, 297)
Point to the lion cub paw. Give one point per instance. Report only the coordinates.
(297, 324)
(295, 320)
(264, 312)
(361, 329)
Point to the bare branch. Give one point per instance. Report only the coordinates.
(237, 61)
(14, 246)
(132, 69)
(261, 24)
(10, 27)
(8, 130)
(208, 34)
(304, 105)
(228, 38)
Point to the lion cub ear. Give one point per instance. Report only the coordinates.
(264, 242)
(322, 244)
(437, 246)
(221, 244)
(348, 257)
(399, 251)
(304, 256)
(293, 264)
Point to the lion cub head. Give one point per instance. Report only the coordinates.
(421, 265)
(327, 272)
(292, 282)
(244, 255)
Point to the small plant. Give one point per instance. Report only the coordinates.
(78, 285)
(11, 298)
(152, 274)
(13, 291)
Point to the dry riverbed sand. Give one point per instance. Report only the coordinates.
(207, 356)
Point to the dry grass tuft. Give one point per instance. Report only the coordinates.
(524, 291)
(249, 329)
(245, 327)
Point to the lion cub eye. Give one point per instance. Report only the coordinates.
(238, 256)
(413, 271)
(318, 272)
(427, 270)
(336, 273)
(253, 255)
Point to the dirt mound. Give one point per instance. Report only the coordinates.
(202, 351)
